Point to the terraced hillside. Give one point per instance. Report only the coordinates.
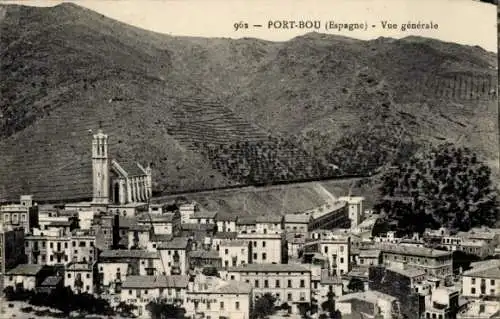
(210, 113)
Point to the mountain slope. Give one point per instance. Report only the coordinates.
(219, 112)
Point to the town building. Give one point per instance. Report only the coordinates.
(52, 247)
(480, 309)
(80, 277)
(12, 251)
(336, 248)
(354, 208)
(213, 298)
(267, 247)
(482, 280)
(434, 262)
(289, 283)
(115, 265)
(174, 255)
(24, 214)
(234, 253)
(226, 223)
(141, 290)
(442, 303)
(199, 259)
(25, 276)
(297, 223)
(368, 304)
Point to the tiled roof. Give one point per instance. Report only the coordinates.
(158, 238)
(79, 266)
(226, 235)
(226, 217)
(51, 281)
(205, 254)
(246, 220)
(370, 296)
(408, 272)
(198, 227)
(492, 271)
(151, 218)
(151, 282)
(233, 243)
(297, 218)
(132, 169)
(140, 227)
(26, 270)
(126, 222)
(234, 288)
(60, 223)
(413, 251)
(175, 243)
(274, 219)
(204, 214)
(269, 268)
(125, 253)
(369, 253)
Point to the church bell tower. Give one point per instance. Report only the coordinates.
(100, 168)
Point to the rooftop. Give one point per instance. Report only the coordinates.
(269, 268)
(226, 217)
(246, 220)
(412, 250)
(175, 243)
(233, 243)
(25, 270)
(226, 235)
(491, 270)
(297, 218)
(234, 288)
(79, 267)
(370, 296)
(408, 271)
(51, 281)
(204, 214)
(273, 219)
(198, 227)
(151, 282)
(125, 253)
(369, 253)
(205, 254)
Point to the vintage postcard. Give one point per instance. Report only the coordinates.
(249, 159)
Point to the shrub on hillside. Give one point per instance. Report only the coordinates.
(445, 187)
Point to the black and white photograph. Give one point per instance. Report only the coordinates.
(249, 159)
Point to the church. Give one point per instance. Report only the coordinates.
(115, 183)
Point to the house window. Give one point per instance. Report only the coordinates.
(222, 305)
(130, 292)
(492, 282)
(255, 244)
(473, 280)
(69, 275)
(237, 305)
(208, 305)
(277, 283)
(289, 297)
(473, 291)
(326, 249)
(51, 245)
(256, 284)
(289, 283)
(264, 256)
(302, 283)
(341, 249)
(232, 277)
(254, 255)
(263, 244)
(88, 275)
(226, 251)
(74, 243)
(266, 284)
(341, 260)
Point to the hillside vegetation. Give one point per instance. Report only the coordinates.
(220, 112)
(446, 187)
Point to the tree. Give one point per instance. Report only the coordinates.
(264, 306)
(125, 309)
(329, 306)
(162, 310)
(356, 285)
(446, 186)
